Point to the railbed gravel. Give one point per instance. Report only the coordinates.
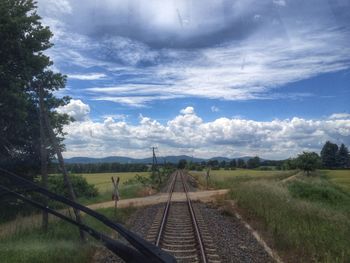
(233, 241)
(139, 222)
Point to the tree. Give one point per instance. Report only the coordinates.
(233, 163)
(241, 163)
(182, 164)
(308, 161)
(27, 87)
(329, 155)
(253, 162)
(343, 157)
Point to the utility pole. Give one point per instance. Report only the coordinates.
(155, 165)
(43, 157)
(57, 149)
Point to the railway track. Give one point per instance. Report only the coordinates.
(180, 229)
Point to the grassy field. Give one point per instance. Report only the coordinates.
(103, 180)
(105, 187)
(339, 177)
(307, 218)
(60, 244)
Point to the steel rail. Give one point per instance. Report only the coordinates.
(194, 220)
(166, 210)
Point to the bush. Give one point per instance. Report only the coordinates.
(81, 187)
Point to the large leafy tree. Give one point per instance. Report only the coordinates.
(329, 155)
(308, 161)
(23, 68)
(24, 71)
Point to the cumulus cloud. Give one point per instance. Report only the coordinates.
(187, 111)
(189, 133)
(76, 109)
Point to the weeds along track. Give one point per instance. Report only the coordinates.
(179, 228)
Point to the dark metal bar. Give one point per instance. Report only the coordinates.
(148, 249)
(118, 248)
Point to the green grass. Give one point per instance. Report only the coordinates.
(60, 244)
(104, 185)
(103, 180)
(308, 217)
(339, 177)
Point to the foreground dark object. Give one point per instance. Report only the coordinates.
(144, 251)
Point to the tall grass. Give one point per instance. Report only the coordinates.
(60, 244)
(307, 228)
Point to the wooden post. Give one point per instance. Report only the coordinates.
(115, 195)
(207, 176)
(67, 182)
(43, 158)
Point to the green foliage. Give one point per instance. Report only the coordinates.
(81, 187)
(308, 161)
(241, 163)
(343, 157)
(60, 244)
(307, 228)
(24, 68)
(101, 167)
(289, 164)
(182, 164)
(319, 191)
(329, 155)
(253, 162)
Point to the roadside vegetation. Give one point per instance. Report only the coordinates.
(60, 244)
(303, 217)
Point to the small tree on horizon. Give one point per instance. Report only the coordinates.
(308, 161)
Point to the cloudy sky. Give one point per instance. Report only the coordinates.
(202, 77)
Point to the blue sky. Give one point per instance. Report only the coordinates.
(206, 78)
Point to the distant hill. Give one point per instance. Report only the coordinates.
(171, 159)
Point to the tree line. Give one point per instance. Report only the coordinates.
(115, 167)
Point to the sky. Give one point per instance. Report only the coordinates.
(202, 77)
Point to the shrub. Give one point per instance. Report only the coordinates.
(81, 187)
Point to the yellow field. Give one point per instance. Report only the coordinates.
(339, 177)
(103, 180)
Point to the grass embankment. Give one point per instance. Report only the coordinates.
(60, 244)
(308, 218)
(104, 185)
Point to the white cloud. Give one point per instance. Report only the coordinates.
(76, 109)
(335, 116)
(241, 67)
(214, 109)
(188, 133)
(187, 111)
(89, 76)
